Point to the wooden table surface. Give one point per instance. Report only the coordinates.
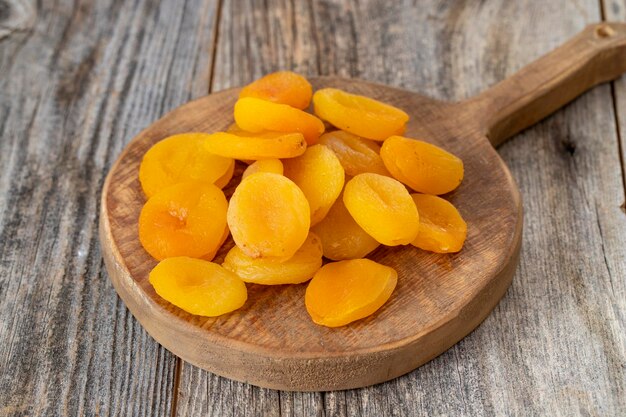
(78, 79)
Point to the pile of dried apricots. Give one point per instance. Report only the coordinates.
(305, 195)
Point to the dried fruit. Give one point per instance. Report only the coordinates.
(268, 216)
(283, 87)
(342, 238)
(265, 146)
(180, 158)
(198, 287)
(383, 208)
(357, 114)
(256, 115)
(342, 292)
(297, 269)
(357, 155)
(186, 219)
(264, 165)
(211, 255)
(422, 166)
(442, 229)
(223, 181)
(320, 176)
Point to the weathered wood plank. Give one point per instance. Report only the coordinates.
(556, 342)
(75, 86)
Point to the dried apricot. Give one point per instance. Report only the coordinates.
(283, 87)
(357, 155)
(266, 146)
(320, 176)
(256, 115)
(297, 269)
(264, 165)
(186, 219)
(180, 158)
(209, 256)
(198, 287)
(268, 216)
(357, 114)
(342, 238)
(442, 229)
(223, 181)
(342, 292)
(383, 208)
(422, 166)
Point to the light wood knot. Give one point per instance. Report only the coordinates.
(604, 31)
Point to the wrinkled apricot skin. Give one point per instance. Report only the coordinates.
(360, 115)
(186, 219)
(268, 146)
(383, 208)
(357, 155)
(264, 165)
(442, 229)
(268, 216)
(256, 115)
(342, 238)
(199, 287)
(297, 269)
(284, 87)
(342, 292)
(320, 176)
(424, 167)
(180, 158)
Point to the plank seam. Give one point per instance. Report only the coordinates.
(216, 34)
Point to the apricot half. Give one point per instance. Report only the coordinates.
(383, 208)
(268, 216)
(283, 87)
(442, 229)
(295, 270)
(422, 166)
(181, 158)
(342, 238)
(319, 175)
(357, 155)
(256, 115)
(342, 292)
(198, 287)
(360, 115)
(186, 219)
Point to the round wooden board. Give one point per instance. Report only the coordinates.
(271, 341)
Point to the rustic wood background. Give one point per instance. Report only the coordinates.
(78, 79)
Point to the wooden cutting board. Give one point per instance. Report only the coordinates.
(271, 341)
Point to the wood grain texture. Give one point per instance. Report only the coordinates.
(555, 342)
(553, 346)
(77, 81)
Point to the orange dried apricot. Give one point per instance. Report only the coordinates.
(442, 229)
(256, 115)
(283, 87)
(320, 176)
(264, 165)
(186, 219)
(198, 287)
(422, 166)
(357, 155)
(360, 115)
(209, 256)
(223, 181)
(297, 269)
(180, 158)
(383, 208)
(342, 292)
(266, 146)
(342, 238)
(268, 216)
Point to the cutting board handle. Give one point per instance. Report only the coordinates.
(594, 56)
